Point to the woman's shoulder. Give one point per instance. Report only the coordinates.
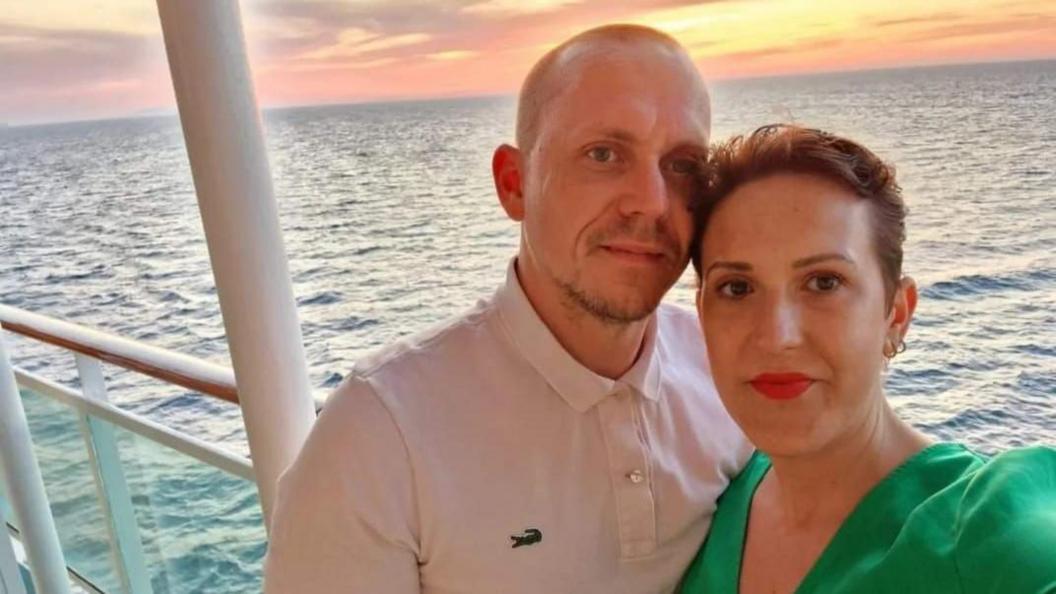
(1011, 484)
(1005, 528)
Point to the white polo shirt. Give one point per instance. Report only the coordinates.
(480, 457)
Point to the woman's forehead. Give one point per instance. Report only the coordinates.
(788, 217)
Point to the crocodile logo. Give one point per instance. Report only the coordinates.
(529, 537)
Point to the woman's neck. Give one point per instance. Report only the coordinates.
(824, 486)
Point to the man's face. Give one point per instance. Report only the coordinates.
(607, 183)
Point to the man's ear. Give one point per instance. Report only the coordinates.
(507, 170)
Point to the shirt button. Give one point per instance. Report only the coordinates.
(636, 476)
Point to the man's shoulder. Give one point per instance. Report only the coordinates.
(679, 334)
(424, 362)
(678, 318)
(444, 339)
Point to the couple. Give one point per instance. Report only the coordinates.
(571, 435)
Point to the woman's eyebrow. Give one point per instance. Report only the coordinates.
(736, 266)
(810, 260)
(800, 263)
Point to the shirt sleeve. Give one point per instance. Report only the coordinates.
(345, 518)
(1006, 541)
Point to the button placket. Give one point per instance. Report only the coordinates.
(628, 465)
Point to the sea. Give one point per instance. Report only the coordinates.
(391, 225)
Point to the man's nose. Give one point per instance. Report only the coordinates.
(647, 192)
(778, 327)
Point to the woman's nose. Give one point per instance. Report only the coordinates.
(778, 327)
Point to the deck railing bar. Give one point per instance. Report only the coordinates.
(181, 442)
(10, 572)
(175, 368)
(14, 536)
(84, 584)
(115, 500)
(168, 366)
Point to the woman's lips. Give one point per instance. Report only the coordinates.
(781, 386)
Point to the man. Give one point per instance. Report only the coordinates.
(564, 435)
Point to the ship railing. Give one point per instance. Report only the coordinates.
(134, 501)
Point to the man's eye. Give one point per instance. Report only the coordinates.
(824, 283)
(602, 154)
(735, 289)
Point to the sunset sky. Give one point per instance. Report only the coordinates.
(78, 59)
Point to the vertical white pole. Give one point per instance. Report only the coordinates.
(225, 143)
(25, 488)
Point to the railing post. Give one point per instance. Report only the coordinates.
(10, 574)
(25, 487)
(225, 144)
(111, 487)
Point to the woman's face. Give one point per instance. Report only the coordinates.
(794, 313)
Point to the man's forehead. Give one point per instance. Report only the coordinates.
(630, 89)
(597, 81)
(630, 116)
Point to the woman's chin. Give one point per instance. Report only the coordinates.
(786, 441)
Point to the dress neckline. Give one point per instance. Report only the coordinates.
(840, 545)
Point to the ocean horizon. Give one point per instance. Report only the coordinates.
(171, 112)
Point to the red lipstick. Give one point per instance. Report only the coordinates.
(781, 386)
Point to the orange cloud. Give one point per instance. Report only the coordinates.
(311, 51)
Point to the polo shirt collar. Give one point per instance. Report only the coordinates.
(580, 387)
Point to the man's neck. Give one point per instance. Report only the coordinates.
(608, 349)
(827, 485)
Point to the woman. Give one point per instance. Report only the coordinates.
(803, 304)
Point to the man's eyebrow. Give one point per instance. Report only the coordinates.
(735, 266)
(624, 136)
(811, 260)
(619, 135)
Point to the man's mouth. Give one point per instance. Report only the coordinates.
(638, 252)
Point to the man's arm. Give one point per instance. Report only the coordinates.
(345, 519)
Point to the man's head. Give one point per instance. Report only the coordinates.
(611, 127)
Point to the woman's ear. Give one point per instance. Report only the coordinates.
(903, 304)
(506, 170)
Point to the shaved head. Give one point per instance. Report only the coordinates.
(561, 66)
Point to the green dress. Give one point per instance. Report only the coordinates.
(946, 521)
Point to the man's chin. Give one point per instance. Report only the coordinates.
(616, 304)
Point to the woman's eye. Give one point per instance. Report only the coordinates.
(824, 283)
(683, 166)
(602, 154)
(735, 289)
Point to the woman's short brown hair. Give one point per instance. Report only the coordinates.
(787, 148)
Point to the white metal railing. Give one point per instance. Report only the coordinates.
(168, 366)
(96, 419)
(181, 442)
(225, 144)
